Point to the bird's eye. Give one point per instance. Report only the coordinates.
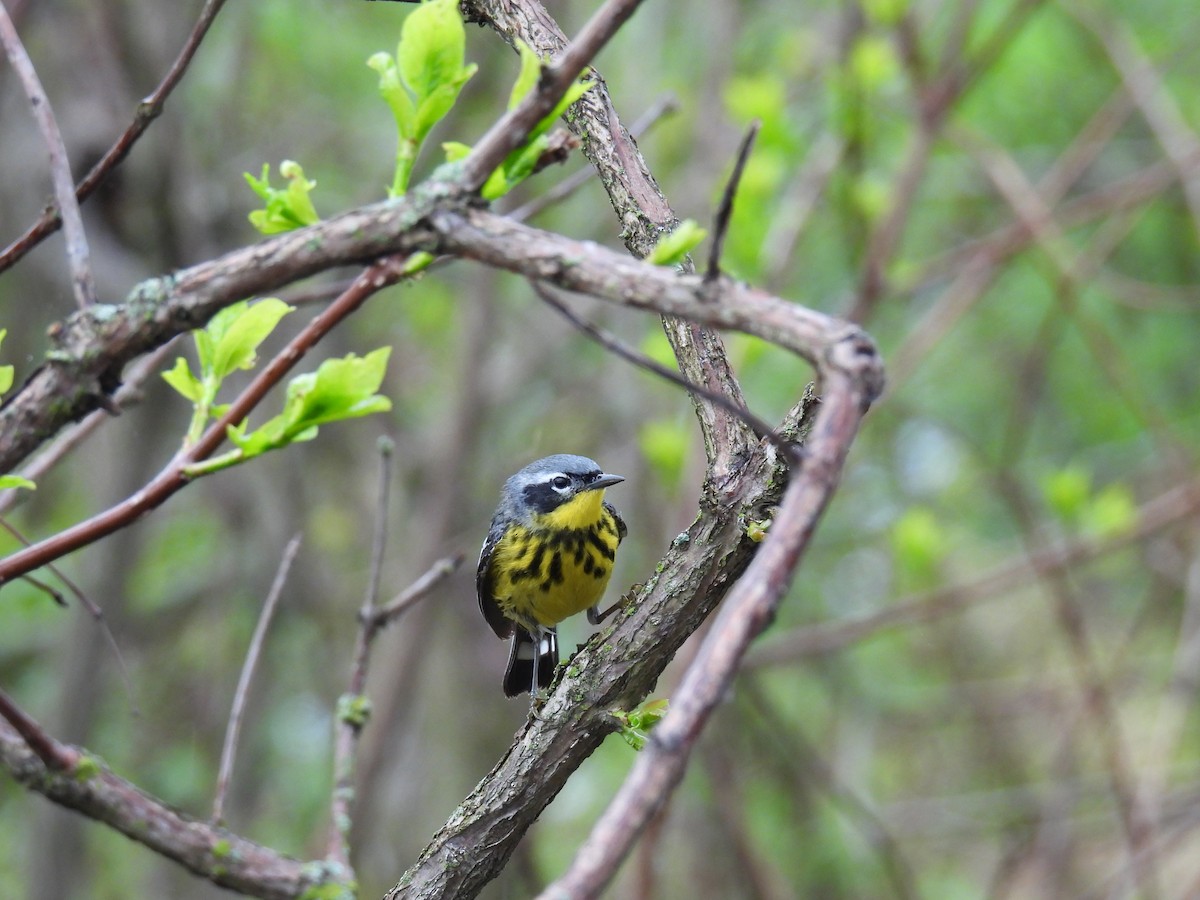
(560, 482)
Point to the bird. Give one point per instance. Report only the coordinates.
(548, 555)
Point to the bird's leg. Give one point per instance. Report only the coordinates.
(596, 618)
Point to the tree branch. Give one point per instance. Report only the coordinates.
(78, 257)
(148, 110)
(90, 788)
(229, 750)
(175, 475)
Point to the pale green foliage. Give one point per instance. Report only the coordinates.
(6, 372)
(673, 248)
(6, 383)
(1067, 492)
(229, 342)
(422, 81)
(519, 164)
(1103, 513)
(340, 388)
(918, 544)
(665, 444)
(636, 724)
(354, 709)
(287, 208)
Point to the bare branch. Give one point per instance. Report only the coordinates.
(1178, 504)
(226, 859)
(233, 729)
(352, 712)
(627, 353)
(175, 475)
(725, 209)
(747, 609)
(78, 258)
(148, 110)
(385, 615)
(52, 754)
(512, 129)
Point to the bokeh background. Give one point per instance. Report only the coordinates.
(983, 681)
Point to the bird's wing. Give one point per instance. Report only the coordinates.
(622, 530)
(485, 584)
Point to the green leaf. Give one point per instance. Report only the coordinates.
(340, 389)
(1112, 512)
(672, 248)
(239, 338)
(16, 481)
(432, 47)
(874, 62)
(440, 101)
(423, 81)
(208, 337)
(455, 150)
(182, 379)
(664, 444)
(395, 94)
(531, 70)
(497, 185)
(918, 543)
(353, 709)
(1067, 492)
(515, 169)
(636, 724)
(885, 12)
(285, 209)
(6, 372)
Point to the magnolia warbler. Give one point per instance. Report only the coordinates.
(548, 555)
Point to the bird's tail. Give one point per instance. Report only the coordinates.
(528, 655)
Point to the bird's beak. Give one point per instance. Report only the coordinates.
(604, 481)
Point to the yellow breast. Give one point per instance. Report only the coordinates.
(559, 567)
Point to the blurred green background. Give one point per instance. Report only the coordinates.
(1005, 193)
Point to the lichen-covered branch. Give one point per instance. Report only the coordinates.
(213, 853)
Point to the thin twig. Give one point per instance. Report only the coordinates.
(148, 110)
(352, 708)
(385, 615)
(725, 209)
(56, 756)
(1145, 86)
(46, 588)
(510, 130)
(93, 609)
(349, 726)
(387, 447)
(175, 475)
(234, 728)
(745, 612)
(127, 395)
(1178, 504)
(614, 345)
(78, 257)
(242, 866)
(663, 106)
